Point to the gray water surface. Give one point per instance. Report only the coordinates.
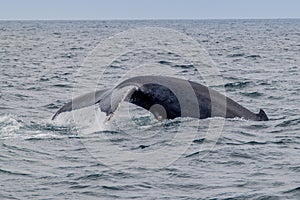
(40, 159)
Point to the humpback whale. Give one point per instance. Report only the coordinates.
(166, 98)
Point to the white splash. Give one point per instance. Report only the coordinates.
(9, 126)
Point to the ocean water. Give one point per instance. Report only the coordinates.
(134, 156)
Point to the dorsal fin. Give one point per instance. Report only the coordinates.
(262, 115)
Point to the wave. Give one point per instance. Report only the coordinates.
(237, 85)
(288, 123)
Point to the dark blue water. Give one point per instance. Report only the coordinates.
(259, 65)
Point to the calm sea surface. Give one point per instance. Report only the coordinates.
(259, 65)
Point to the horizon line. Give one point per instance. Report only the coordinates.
(150, 19)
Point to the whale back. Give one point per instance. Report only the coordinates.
(166, 98)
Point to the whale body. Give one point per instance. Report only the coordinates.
(166, 98)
